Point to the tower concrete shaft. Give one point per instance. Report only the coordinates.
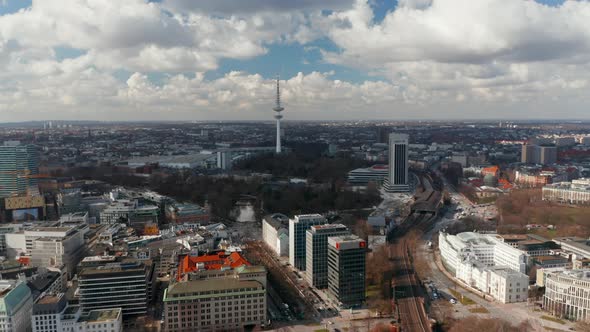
(278, 109)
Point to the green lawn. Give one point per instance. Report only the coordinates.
(480, 310)
(461, 298)
(553, 319)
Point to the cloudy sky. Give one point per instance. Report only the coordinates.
(337, 59)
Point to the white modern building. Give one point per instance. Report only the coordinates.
(486, 263)
(483, 248)
(275, 233)
(454, 249)
(49, 246)
(362, 176)
(297, 228)
(575, 192)
(506, 285)
(398, 163)
(574, 245)
(7, 229)
(567, 293)
(16, 303)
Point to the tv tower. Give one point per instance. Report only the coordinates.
(278, 108)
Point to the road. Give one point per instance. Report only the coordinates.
(301, 298)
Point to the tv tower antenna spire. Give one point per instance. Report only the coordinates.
(278, 109)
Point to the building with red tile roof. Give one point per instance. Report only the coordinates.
(493, 170)
(212, 261)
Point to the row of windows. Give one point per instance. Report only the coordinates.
(248, 289)
(220, 298)
(244, 315)
(173, 326)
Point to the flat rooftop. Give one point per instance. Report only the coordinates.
(49, 299)
(188, 288)
(327, 226)
(577, 274)
(115, 268)
(50, 229)
(474, 238)
(100, 315)
(549, 258)
(520, 237)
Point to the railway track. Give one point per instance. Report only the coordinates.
(405, 284)
(412, 305)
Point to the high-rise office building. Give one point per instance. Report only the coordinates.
(19, 163)
(529, 154)
(115, 285)
(316, 241)
(297, 228)
(383, 134)
(346, 270)
(547, 155)
(539, 154)
(398, 163)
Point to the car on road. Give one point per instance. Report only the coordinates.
(453, 300)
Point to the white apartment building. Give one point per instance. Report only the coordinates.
(567, 293)
(506, 255)
(16, 303)
(506, 285)
(485, 249)
(275, 233)
(575, 192)
(486, 263)
(454, 249)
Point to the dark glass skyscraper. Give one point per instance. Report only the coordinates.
(398, 163)
(17, 163)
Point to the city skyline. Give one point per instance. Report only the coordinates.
(378, 60)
